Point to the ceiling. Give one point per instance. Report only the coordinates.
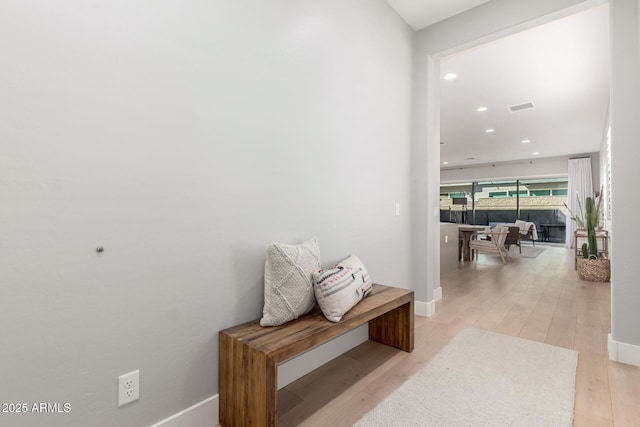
(561, 67)
(422, 13)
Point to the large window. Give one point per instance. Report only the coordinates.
(451, 208)
(541, 201)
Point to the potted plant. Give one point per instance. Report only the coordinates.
(592, 265)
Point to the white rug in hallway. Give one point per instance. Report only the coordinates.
(483, 378)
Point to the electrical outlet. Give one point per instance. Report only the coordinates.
(128, 387)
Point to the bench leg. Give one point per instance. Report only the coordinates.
(394, 328)
(247, 385)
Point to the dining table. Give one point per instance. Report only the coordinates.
(465, 233)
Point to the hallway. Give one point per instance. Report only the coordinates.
(539, 299)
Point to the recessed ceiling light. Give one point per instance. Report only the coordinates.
(520, 107)
(481, 109)
(450, 76)
(490, 130)
(445, 163)
(526, 141)
(535, 153)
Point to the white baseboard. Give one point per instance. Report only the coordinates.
(623, 352)
(420, 308)
(428, 309)
(203, 414)
(425, 309)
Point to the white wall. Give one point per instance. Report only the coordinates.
(448, 248)
(183, 137)
(625, 134)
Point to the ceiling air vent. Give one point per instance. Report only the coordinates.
(520, 107)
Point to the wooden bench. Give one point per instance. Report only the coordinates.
(249, 354)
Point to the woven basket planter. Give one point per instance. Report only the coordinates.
(594, 270)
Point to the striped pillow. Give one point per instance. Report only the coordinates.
(339, 288)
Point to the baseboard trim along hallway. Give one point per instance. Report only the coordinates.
(623, 352)
(202, 414)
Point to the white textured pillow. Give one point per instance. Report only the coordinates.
(339, 288)
(288, 287)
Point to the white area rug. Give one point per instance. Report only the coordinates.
(483, 378)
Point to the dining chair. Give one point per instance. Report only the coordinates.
(495, 245)
(513, 238)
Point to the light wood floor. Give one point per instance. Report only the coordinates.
(539, 299)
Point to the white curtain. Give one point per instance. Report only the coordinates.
(580, 183)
